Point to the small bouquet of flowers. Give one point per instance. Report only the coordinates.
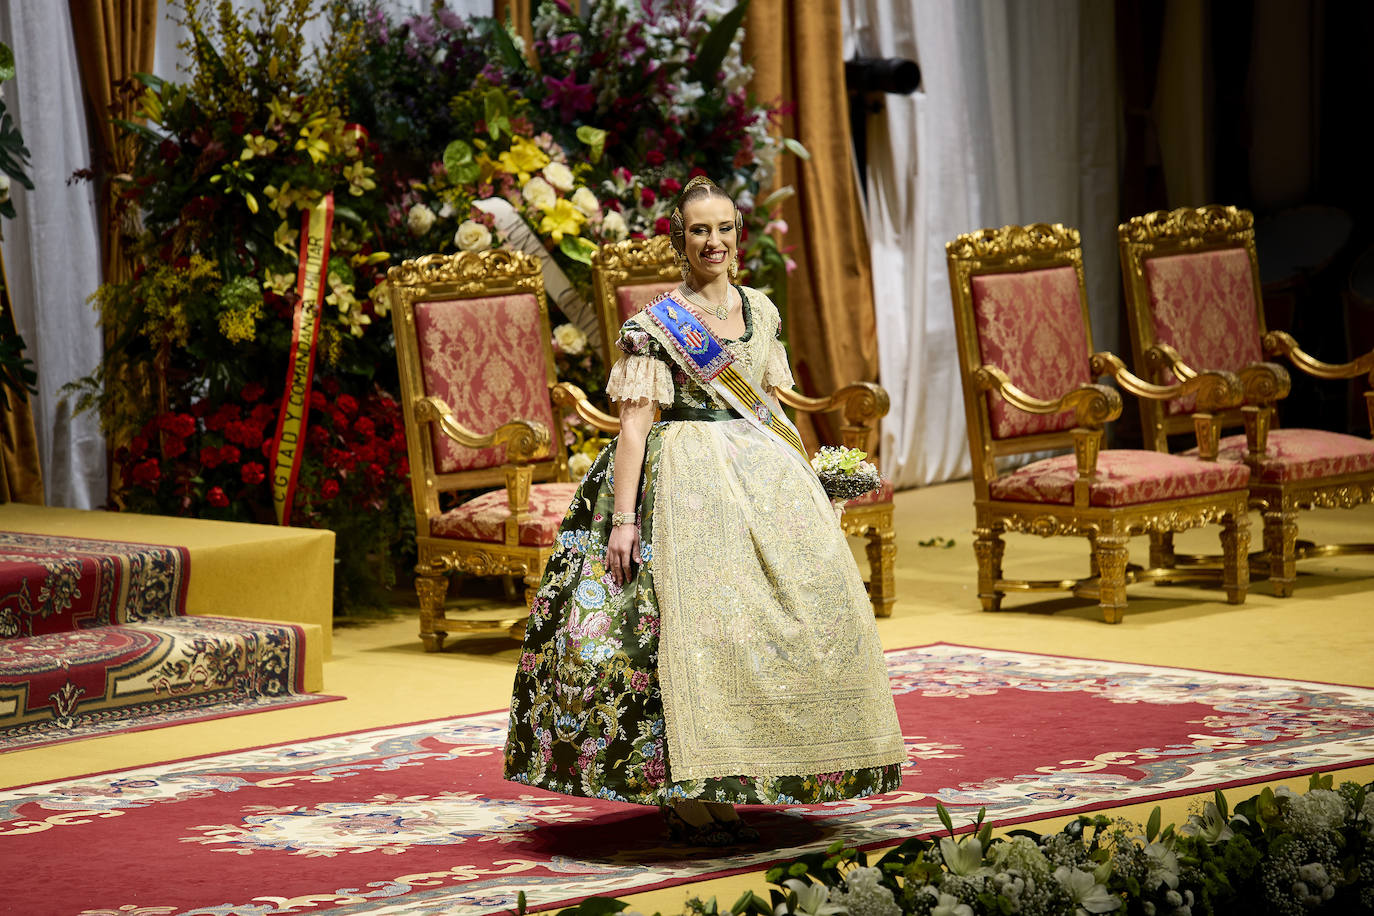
(844, 473)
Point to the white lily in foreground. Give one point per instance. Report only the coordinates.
(1090, 896)
(962, 857)
(807, 899)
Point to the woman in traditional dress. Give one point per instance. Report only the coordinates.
(702, 637)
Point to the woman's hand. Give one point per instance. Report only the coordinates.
(622, 552)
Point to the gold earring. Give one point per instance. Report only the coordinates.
(734, 266)
(682, 264)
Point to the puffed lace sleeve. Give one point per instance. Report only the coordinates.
(777, 373)
(643, 371)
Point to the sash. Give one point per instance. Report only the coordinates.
(701, 355)
(316, 224)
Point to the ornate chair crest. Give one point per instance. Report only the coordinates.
(628, 275)
(1028, 369)
(1194, 301)
(474, 352)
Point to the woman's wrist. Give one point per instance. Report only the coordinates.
(622, 518)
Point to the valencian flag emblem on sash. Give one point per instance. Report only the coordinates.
(316, 225)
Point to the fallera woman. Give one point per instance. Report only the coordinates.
(702, 638)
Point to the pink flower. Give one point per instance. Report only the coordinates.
(569, 96)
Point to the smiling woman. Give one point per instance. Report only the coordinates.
(702, 637)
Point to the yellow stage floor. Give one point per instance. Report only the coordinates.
(1323, 633)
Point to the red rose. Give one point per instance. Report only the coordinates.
(647, 197)
(222, 417)
(210, 458)
(253, 473)
(252, 391)
(317, 400)
(317, 435)
(329, 489)
(696, 171)
(403, 468)
(654, 158)
(146, 473)
(348, 404)
(365, 427)
(669, 186)
(662, 226)
(228, 454)
(173, 447)
(138, 445)
(217, 498)
(180, 425)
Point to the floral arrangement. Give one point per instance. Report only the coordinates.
(1279, 853)
(189, 387)
(844, 473)
(16, 370)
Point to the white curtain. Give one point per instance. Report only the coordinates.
(52, 249)
(1015, 123)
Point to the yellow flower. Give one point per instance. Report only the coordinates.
(280, 200)
(282, 113)
(359, 178)
(286, 238)
(257, 145)
(522, 159)
(562, 219)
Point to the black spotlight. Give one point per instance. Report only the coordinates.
(866, 79)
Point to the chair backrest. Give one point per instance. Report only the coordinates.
(626, 276)
(1192, 282)
(472, 329)
(1020, 305)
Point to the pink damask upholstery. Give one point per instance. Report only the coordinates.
(1204, 306)
(1304, 454)
(630, 299)
(1124, 478)
(475, 354)
(484, 518)
(1030, 325)
(881, 495)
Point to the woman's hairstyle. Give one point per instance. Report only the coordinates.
(698, 188)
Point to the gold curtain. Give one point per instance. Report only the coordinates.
(114, 40)
(21, 475)
(797, 53)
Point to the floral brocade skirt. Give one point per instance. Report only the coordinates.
(587, 715)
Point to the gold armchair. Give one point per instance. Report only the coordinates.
(474, 352)
(1194, 302)
(1028, 368)
(628, 275)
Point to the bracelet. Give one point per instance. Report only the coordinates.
(622, 518)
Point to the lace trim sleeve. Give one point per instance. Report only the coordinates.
(635, 377)
(776, 372)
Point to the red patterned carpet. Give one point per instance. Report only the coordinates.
(415, 819)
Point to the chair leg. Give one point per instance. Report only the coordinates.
(508, 585)
(1111, 554)
(1280, 542)
(431, 589)
(882, 559)
(1235, 548)
(1162, 550)
(989, 547)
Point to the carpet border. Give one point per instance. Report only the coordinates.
(373, 728)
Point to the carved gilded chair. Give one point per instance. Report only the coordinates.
(626, 276)
(630, 274)
(1028, 369)
(1194, 301)
(474, 353)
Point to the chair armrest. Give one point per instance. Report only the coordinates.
(1261, 383)
(1280, 343)
(524, 440)
(566, 394)
(1093, 405)
(863, 403)
(1215, 389)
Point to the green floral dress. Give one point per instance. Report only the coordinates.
(587, 716)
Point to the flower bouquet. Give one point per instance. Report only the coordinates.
(844, 473)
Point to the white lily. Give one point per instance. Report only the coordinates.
(962, 858)
(1090, 896)
(807, 899)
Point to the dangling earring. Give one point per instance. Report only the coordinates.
(682, 264)
(734, 266)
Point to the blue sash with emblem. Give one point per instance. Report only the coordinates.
(702, 356)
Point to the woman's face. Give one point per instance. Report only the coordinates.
(710, 234)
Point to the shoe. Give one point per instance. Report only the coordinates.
(711, 833)
(737, 828)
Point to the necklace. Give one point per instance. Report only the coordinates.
(721, 311)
